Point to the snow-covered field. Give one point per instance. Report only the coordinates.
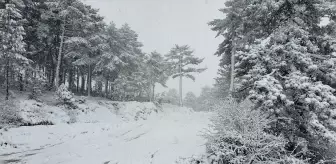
(104, 136)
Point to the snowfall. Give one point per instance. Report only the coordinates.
(104, 132)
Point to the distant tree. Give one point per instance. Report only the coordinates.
(181, 60)
(171, 97)
(190, 100)
(207, 99)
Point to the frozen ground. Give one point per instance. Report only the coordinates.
(159, 138)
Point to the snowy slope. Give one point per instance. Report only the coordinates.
(93, 110)
(160, 138)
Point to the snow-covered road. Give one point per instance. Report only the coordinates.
(159, 140)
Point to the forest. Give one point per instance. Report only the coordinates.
(47, 43)
(273, 100)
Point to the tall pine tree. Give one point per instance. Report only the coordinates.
(11, 39)
(181, 61)
(286, 65)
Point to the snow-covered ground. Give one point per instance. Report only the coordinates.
(104, 136)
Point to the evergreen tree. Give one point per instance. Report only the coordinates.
(84, 47)
(121, 57)
(156, 71)
(287, 68)
(109, 63)
(222, 85)
(181, 60)
(11, 38)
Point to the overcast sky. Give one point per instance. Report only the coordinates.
(163, 23)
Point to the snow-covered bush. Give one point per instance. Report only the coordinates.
(9, 115)
(238, 135)
(64, 95)
(35, 93)
(72, 116)
(81, 100)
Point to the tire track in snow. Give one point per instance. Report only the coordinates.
(13, 158)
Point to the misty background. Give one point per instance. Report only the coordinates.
(163, 23)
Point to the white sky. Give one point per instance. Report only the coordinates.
(163, 23)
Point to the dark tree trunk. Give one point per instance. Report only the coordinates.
(59, 58)
(77, 80)
(21, 82)
(64, 75)
(52, 76)
(12, 75)
(106, 88)
(7, 79)
(70, 79)
(100, 88)
(89, 81)
(26, 78)
(83, 83)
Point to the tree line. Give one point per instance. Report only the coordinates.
(48, 43)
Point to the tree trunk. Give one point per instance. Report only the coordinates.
(232, 67)
(180, 70)
(153, 92)
(111, 91)
(83, 83)
(59, 59)
(53, 73)
(77, 80)
(99, 88)
(89, 81)
(7, 78)
(64, 75)
(106, 87)
(70, 79)
(21, 81)
(26, 76)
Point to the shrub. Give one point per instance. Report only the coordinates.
(81, 100)
(64, 95)
(35, 93)
(73, 116)
(9, 114)
(238, 136)
(38, 123)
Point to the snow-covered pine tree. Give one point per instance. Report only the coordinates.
(286, 64)
(181, 61)
(84, 41)
(121, 55)
(76, 24)
(221, 87)
(156, 70)
(109, 63)
(11, 39)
